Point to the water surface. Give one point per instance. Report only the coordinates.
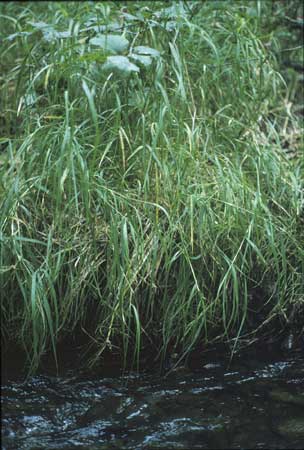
(251, 403)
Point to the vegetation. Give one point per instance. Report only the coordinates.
(147, 195)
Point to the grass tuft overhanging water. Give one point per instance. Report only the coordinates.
(146, 195)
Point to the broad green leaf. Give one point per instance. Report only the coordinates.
(145, 60)
(62, 34)
(111, 42)
(40, 25)
(119, 64)
(173, 12)
(11, 37)
(49, 32)
(30, 99)
(112, 26)
(131, 17)
(143, 50)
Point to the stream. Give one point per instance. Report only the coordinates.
(252, 402)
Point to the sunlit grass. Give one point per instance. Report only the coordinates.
(146, 209)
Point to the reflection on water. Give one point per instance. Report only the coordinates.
(249, 404)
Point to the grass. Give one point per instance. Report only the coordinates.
(152, 208)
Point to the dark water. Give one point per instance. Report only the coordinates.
(253, 403)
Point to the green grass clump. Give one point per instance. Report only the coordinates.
(146, 199)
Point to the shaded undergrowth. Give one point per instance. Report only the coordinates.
(146, 192)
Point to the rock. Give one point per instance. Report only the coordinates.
(175, 368)
(288, 344)
(287, 397)
(292, 343)
(101, 410)
(291, 428)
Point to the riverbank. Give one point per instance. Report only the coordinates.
(151, 178)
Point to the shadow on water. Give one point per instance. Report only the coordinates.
(257, 401)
